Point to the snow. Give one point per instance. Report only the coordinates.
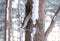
(25, 1)
(22, 10)
(14, 3)
(21, 2)
(22, 16)
(35, 10)
(33, 33)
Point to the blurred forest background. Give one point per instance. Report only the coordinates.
(14, 26)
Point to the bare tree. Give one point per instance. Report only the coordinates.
(40, 35)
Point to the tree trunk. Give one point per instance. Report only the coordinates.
(9, 19)
(39, 36)
(28, 10)
(5, 24)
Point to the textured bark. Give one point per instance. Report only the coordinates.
(5, 26)
(5, 22)
(27, 32)
(9, 9)
(39, 36)
(28, 10)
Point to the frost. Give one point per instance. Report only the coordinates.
(22, 10)
(14, 4)
(33, 33)
(25, 1)
(35, 10)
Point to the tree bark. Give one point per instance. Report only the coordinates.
(9, 11)
(5, 22)
(39, 36)
(28, 10)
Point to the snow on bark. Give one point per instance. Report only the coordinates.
(14, 32)
(33, 33)
(35, 10)
(22, 9)
(14, 3)
(22, 13)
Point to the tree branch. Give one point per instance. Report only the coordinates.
(52, 23)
